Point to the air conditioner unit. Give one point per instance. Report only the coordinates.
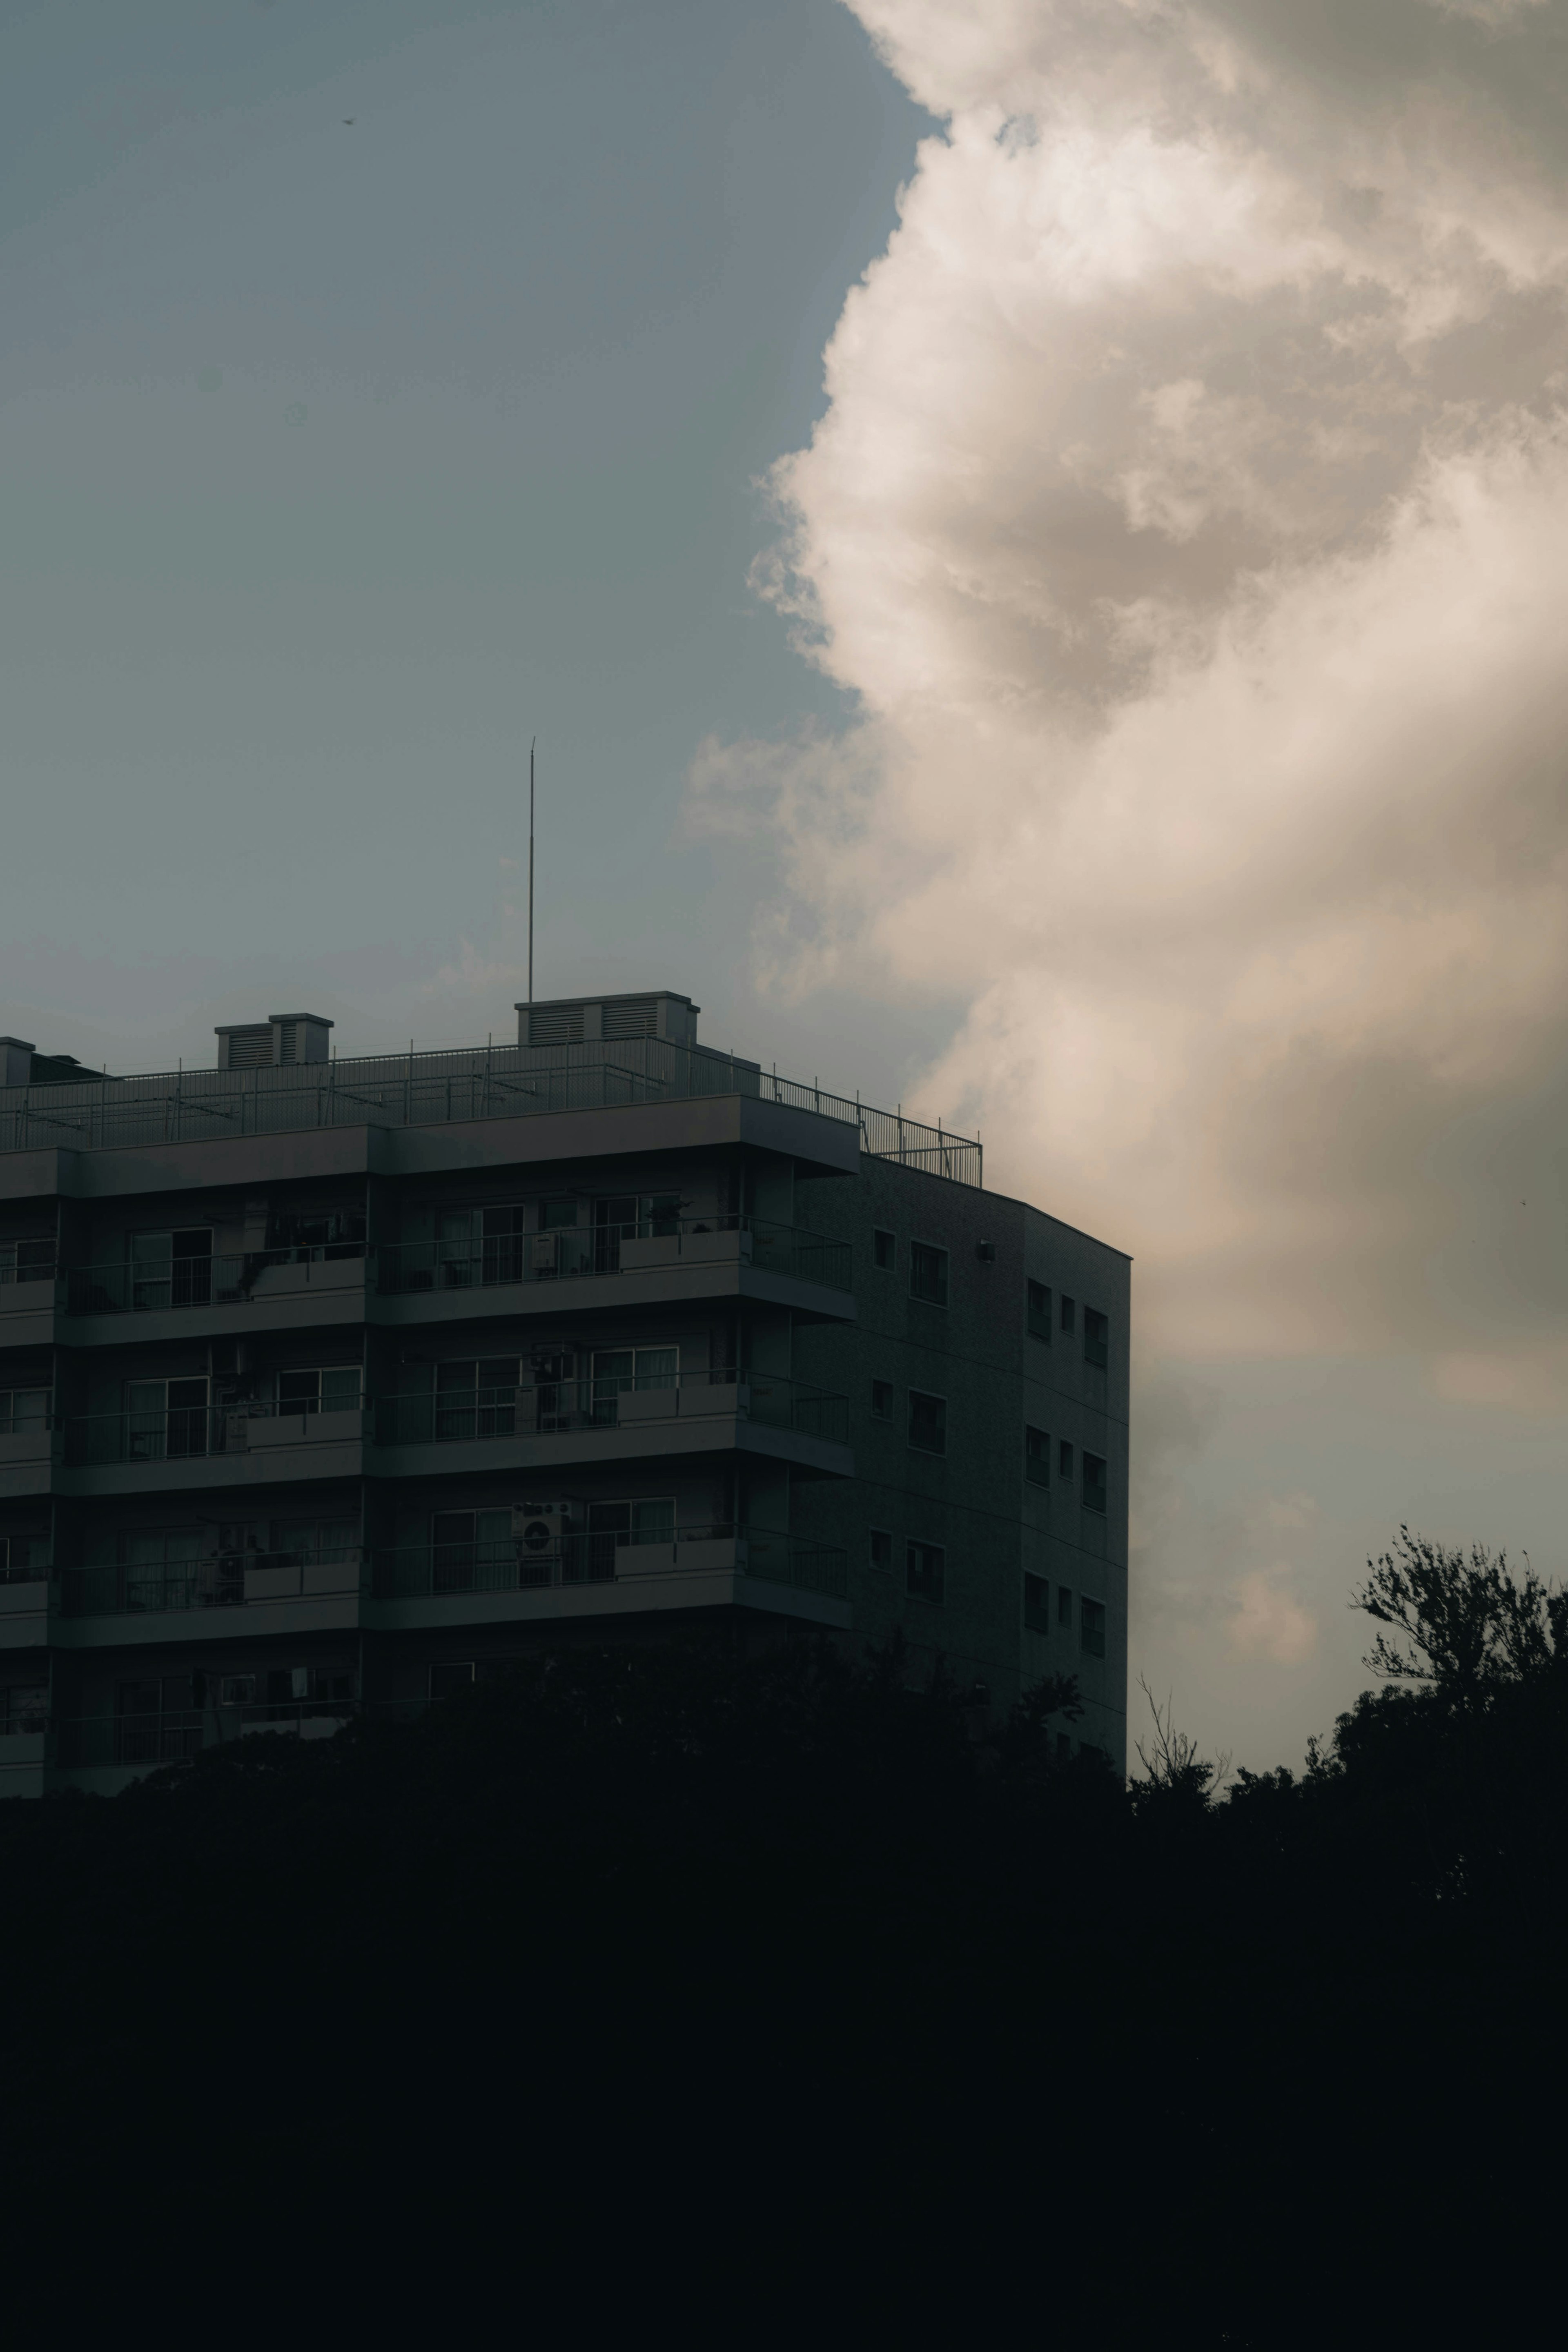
(543, 1251)
(538, 1529)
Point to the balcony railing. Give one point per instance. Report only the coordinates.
(194, 1432)
(226, 1279)
(222, 1581)
(555, 1407)
(432, 1569)
(186, 1433)
(572, 1251)
(433, 1089)
(22, 1269)
(175, 1736)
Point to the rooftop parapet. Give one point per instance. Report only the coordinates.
(437, 1089)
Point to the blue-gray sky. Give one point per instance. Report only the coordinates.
(338, 458)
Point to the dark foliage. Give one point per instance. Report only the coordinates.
(660, 1979)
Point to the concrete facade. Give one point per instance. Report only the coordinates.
(330, 1387)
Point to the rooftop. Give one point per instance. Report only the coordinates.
(276, 1075)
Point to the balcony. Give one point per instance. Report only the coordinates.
(570, 1252)
(143, 1742)
(436, 1569)
(239, 1278)
(27, 1279)
(190, 1445)
(192, 1432)
(559, 1407)
(223, 1580)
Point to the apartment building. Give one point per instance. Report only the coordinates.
(329, 1384)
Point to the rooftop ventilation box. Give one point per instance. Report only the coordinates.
(282, 1039)
(596, 1020)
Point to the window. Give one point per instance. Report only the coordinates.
(165, 1419)
(330, 1388)
(617, 1371)
(327, 1232)
(658, 1213)
(928, 1273)
(1093, 1623)
(171, 1269)
(1063, 1605)
(162, 1568)
(25, 1708)
(237, 1690)
(476, 1397)
(883, 1400)
(27, 1261)
(555, 1216)
(1093, 1483)
(884, 1249)
(1069, 1313)
(882, 1552)
(23, 1558)
(314, 1542)
(925, 1572)
(1036, 1603)
(648, 1520)
(1037, 1457)
(1095, 1338)
(928, 1422)
(472, 1551)
(22, 1409)
(482, 1244)
(1040, 1312)
(1064, 1460)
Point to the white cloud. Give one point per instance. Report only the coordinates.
(1190, 518)
(1269, 1622)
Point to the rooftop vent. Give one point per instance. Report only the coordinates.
(554, 1025)
(272, 1043)
(571, 1020)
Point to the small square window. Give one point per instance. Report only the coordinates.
(928, 1422)
(882, 1552)
(883, 1400)
(1064, 1460)
(1069, 1313)
(925, 1572)
(928, 1273)
(1063, 1605)
(1093, 1623)
(1040, 1312)
(1093, 1483)
(1095, 1338)
(1037, 1457)
(884, 1249)
(1036, 1603)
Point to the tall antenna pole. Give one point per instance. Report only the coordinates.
(531, 870)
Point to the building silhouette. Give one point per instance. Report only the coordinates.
(331, 1385)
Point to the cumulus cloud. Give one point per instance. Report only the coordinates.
(1189, 519)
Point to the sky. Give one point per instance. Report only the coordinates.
(1033, 540)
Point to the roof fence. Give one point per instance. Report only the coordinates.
(433, 1089)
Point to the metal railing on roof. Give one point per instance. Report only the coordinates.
(426, 1089)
